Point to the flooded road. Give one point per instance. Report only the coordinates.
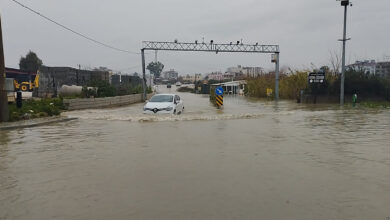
(252, 160)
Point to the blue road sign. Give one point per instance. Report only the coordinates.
(219, 91)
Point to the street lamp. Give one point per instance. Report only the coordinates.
(345, 4)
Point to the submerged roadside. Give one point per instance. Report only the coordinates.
(34, 122)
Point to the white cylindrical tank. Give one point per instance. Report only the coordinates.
(70, 90)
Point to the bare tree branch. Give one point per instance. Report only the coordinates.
(335, 61)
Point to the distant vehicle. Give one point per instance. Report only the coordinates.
(164, 104)
(169, 86)
(178, 84)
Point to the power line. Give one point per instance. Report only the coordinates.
(73, 31)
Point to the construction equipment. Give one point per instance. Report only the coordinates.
(23, 81)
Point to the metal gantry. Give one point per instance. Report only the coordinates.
(236, 47)
(211, 47)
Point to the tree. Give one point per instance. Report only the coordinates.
(155, 68)
(335, 61)
(30, 63)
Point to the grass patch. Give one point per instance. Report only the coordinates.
(36, 109)
(375, 104)
(185, 89)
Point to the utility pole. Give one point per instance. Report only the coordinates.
(345, 4)
(4, 112)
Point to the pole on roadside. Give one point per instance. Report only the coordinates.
(4, 111)
(143, 75)
(344, 3)
(275, 59)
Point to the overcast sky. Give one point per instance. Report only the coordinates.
(306, 30)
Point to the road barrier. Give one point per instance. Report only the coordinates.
(219, 100)
(91, 103)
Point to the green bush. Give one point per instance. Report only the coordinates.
(36, 108)
(364, 85)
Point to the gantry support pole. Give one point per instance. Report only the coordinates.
(143, 75)
(277, 77)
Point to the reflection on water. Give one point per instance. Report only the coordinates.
(252, 160)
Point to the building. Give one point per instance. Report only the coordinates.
(218, 76)
(367, 66)
(380, 69)
(245, 71)
(253, 71)
(232, 87)
(192, 78)
(170, 75)
(53, 78)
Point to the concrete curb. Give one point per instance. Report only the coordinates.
(33, 123)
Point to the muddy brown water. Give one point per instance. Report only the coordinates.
(252, 160)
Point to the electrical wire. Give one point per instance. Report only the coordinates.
(73, 31)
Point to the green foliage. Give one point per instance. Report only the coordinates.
(155, 68)
(257, 87)
(382, 104)
(129, 89)
(185, 89)
(355, 82)
(87, 92)
(36, 108)
(30, 63)
(104, 89)
(291, 85)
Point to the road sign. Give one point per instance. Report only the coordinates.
(219, 91)
(219, 100)
(317, 77)
(269, 92)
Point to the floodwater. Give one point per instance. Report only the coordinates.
(254, 159)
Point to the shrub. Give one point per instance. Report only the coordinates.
(36, 108)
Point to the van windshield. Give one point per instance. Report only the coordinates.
(162, 98)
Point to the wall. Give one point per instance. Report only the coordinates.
(93, 103)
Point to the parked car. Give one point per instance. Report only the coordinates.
(164, 104)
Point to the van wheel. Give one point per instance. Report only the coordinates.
(174, 112)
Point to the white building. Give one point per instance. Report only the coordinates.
(381, 69)
(253, 71)
(215, 76)
(367, 66)
(221, 76)
(246, 71)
